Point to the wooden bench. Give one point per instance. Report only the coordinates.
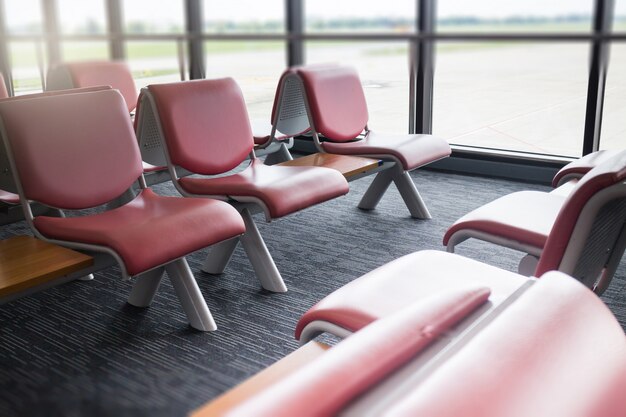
(352, 167)
(27, 263)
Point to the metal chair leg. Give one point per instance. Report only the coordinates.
(219, 255)
(281, 155)
(410, 195)
(189, 295)
(376, 190)
(260, 257)
(145, 287)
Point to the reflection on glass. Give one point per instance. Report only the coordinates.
(25, 67)
(384, 72)
(514, 16)
(85, 50)
(255, 65)
(244, 16)
(154, 16)
(81, 17)
(153, 62)
(23, 16)
(512, 96)
(360, 16)
(613, 133)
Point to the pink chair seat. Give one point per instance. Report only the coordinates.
(405, 281)
(525, 217)
(173, 227)
(412, 151)
(282, 189)
(9, 198)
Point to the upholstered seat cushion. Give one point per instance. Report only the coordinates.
(405, 281)
(282, 189)
(412, 151)
(525, 217)
(9, 198)
(151, 230)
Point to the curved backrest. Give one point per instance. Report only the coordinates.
(576, 169)
(336, 101)
(73, 150)
(205, 124)
(587, 230)
(93, 73)
(289, 110)
(4, 93)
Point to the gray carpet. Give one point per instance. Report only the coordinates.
(79, 349)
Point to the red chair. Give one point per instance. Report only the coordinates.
(94, 73)
(202, 127)
(82, 153)
(547, 348)
(97, 73)
(335, 108)
(582, 233)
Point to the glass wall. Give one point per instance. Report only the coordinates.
(382, 66)
(256, 65)
(154, 61)
(27, 56)
(512, 95)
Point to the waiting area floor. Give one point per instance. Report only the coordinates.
(79, 349)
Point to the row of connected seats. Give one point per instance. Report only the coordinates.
(451, 319)
(437, 334)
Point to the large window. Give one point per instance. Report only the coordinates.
(507, 74)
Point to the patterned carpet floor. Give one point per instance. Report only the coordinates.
(79, 349)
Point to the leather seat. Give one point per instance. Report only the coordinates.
(413, 151)
(173, 226)
(282, 189)
(9, 198)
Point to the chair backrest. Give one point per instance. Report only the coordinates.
(4, 93)
(205, 124)
(7, 182)
(335, 100)
(589, 233)
(93, 73)
(289, 114)
(71, 150)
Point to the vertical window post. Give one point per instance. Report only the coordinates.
(115, 24)
(422, 70)
(599, 61)
(51, 29)
(193, 23)
(294, 17)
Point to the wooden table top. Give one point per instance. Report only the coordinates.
(26, 262)
(284, 367)
(348, 165)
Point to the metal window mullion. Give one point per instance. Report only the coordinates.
(422, 70)
(115, 24)
(599, 61)
(51, 30)
(193, 22)
(294, 19)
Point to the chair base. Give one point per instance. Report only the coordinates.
(186, 289)
(280, 155)
(402, 179)
(257, 252)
